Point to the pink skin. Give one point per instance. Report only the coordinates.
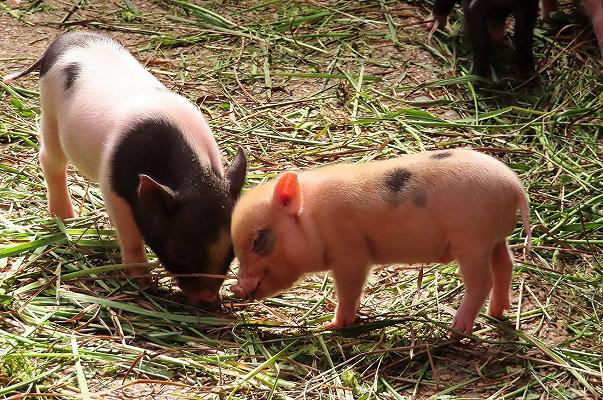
(83, 127)
(594, 10)
(346, 218)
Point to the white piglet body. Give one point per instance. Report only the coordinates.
(151, 151)
(422, 208)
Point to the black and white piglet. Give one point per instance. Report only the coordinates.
(485, 27)
(151, 151)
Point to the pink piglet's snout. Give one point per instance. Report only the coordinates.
(245, 287)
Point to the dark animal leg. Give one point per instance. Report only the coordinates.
(525, 13)
(476, 13)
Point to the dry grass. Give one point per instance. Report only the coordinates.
(300, 84)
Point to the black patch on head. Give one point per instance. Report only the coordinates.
(183, 236)
(440, 155)
(64, 43)
(71, 72)
(397, 178)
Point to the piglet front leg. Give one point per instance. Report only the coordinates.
(129, 236)
(349, 282)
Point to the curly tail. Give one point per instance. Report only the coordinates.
(524, 209)
(16, 75)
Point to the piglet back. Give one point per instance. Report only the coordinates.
(56, 49)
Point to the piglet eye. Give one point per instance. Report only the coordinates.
(264, 242)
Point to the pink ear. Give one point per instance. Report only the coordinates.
(287, 192)
(153, 194)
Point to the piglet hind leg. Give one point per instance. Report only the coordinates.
(349, 283)
(130, 238)
(501, 267)
(475, 271)
(54, 165)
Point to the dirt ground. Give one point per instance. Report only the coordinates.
(290, 93)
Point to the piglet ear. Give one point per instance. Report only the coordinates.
(155, 196)
(287, 193)
(235, 175)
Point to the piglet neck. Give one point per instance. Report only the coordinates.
(317, 258)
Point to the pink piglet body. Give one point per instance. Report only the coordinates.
(421, 208)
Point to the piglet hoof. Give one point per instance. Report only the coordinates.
(63, 212)
(340, 322)
(331, 326)
(496, 310)
(461, 329)
(143, 280)
(147, 284)
(431, 27)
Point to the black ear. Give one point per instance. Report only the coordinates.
(235, 175)
(155, 196)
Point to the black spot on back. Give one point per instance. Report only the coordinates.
(71, 72)
(401, 186)
(397, 178)
(64, 43)
(440, 155)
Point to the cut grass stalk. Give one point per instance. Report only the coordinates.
(286, 108)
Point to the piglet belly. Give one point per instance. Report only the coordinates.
(84, 143)
(410, 240)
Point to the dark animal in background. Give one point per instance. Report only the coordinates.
(593, 9)
(152, 152)
(485, 27)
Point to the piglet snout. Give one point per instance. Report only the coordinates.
(238, 291)
(244, 288)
